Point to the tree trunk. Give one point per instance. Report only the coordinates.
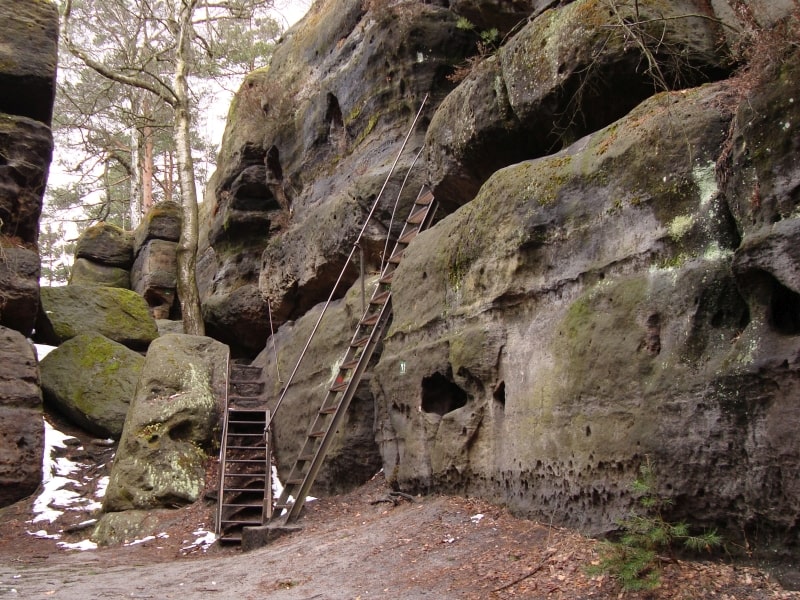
(147, 169)
(136, 179)
(187, 244)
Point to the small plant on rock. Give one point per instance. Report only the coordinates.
(635, 560)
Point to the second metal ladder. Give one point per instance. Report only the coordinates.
(367, 335)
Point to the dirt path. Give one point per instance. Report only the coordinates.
(358, 546)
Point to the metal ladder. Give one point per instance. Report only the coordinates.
(245, 482)
(367, 335)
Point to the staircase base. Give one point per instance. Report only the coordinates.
(258, 537)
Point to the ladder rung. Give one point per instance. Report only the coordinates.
(229, 447)
(360, 342)
(350, 364)
(387, 278)
(318, 433)
(407, 237)
(242, 490)
(396, 257)
(340, 387)
(371, 320)
(305, 458)
(244, 504)
(328, 410)
(294, 481)
(380, 298)
(247, 522)
(245, 460)
(418, 217)
(424, 198)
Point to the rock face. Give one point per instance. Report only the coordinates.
(21, 425)
(92, 380)
(143, 260)
(299, 168)
(161, 457)
(28, 52)
(154, 272)
(353, 456)
(28, 56)
(614, 275)
(118, 314)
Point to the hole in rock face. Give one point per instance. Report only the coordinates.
(273, 163)
(499, 393)
(440, 395)
(181, 431)
(784, 309)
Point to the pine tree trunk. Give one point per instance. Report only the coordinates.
(187, 245)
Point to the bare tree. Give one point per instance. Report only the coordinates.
(162, 37)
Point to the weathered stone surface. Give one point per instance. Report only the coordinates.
(92, 379)
(19, 287)
(119, 314)
(114, 529)
(21, 424)
(86, 272)
(580, 314)
(26, 147)
(299, 168)
(171, 421)
(107, 245)
(28, 57)
(154, 276)
(503, 15)
(353, 457)
(565, 74)
(240, 319)
(162, 222)
(166, 326)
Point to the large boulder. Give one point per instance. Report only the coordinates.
(19, 287)
(161, 459)
(21, 424)
(155, 276)
(571, 71)
(119, 314)
(88, 272)
(28, 58)
(162, 222)
(92, 380)
(106, 244)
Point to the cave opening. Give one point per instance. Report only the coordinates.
(784, 309)
(440, 395)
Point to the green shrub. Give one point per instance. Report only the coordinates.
(635, 560)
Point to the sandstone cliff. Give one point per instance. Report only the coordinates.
(613, 275)
(28, 50)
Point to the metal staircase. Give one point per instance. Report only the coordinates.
(245, 483)
(363, 343)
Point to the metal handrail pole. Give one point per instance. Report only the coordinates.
(346, 263)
